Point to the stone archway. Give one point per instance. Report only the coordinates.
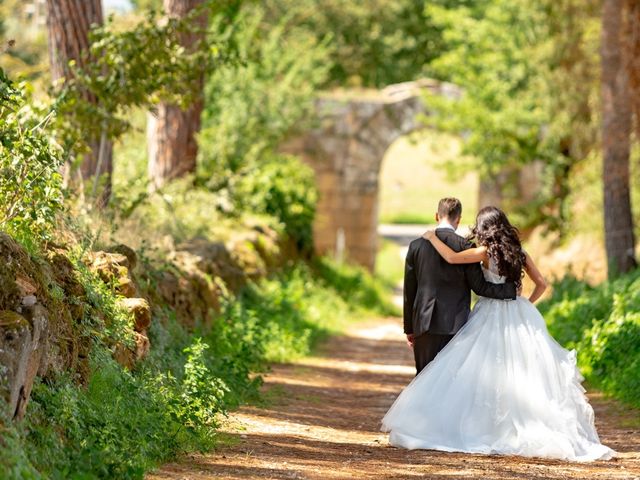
(354, 130)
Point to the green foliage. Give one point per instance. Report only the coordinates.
(114, 428)
(147, 4)
(574, 307)
(202, 393)
(104, 320)
(30, 182)
(124, 423)
(283, 187)
(283, 318)
(374, 43)
(390, 264)
(137, 67)
(355, 285)
(408, 218)
(603, 324)
(180, 212)
(250, 108)
(528, 74)
(14, 460)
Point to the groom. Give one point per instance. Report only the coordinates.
(437, 295)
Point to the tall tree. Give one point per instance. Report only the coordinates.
(69, 22)
(616, 130)
(632, 48)
(172, 130)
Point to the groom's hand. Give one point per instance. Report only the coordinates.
(410, 338)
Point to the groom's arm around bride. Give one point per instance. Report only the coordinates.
(437, 295)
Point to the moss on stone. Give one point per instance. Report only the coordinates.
(12, 320)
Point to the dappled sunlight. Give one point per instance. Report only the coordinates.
(322, 417)
(206, 208)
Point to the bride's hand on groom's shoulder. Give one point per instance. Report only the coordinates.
(428, 235)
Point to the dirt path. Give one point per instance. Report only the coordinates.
(323, 417)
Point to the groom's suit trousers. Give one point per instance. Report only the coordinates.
(426, 347)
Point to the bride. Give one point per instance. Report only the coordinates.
(502, 385)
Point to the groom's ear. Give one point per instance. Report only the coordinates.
(437, 218)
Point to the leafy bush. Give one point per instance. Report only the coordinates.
(113, 429)
(250, 110)
(375, 43)
(202, 394)
(574, 307)
(284, 188)
(181, 211)
(498, 54)
(603, 324)
(123, 423)
(137, 67)
(284, 317)
(105, 319)
(355, 286)
(30, 182)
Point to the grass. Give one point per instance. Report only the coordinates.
(414, 176)
(407, 218)
(123, 423)
(390, 263)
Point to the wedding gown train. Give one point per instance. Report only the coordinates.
(502, 385)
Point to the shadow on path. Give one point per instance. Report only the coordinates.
(322, 419)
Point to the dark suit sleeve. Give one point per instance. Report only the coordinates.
(481, 287)
(410, 288)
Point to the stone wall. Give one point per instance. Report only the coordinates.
(43, 304)
(37, 329)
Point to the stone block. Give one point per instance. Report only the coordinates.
(23, 345)
(129, 356)
(361, 239)
(326, 182)
(129, 254)
(140, 310)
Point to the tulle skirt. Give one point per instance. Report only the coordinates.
(502, 385)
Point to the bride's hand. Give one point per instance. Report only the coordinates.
(428, 235)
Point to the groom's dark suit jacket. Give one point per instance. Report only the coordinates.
(437, 294)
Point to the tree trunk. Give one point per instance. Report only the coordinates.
(172, 131)
(68, 23)
(616, 129)
(632, 48)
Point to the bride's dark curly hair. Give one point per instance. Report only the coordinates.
(493, 230)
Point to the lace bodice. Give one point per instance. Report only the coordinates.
(491, 274)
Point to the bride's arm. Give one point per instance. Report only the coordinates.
(538, 279)
(471, 255)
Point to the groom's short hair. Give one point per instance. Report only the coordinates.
(450, 208)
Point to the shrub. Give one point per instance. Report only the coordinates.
(123, 423)
(355, 286)
(603, 324)
(30, 182)
(251, 109)
(284, 188)
(573, 307)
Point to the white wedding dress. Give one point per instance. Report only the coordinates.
(502, 385)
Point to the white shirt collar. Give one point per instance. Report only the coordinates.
(447, 225)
